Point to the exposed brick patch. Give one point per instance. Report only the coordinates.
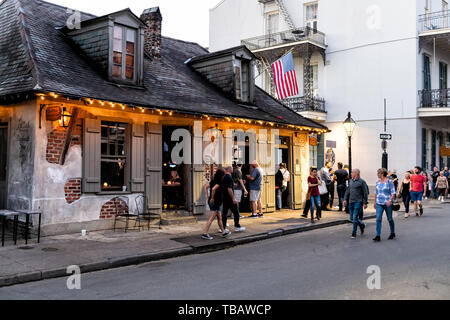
(72, 189)
(57, 138)
(109, 209)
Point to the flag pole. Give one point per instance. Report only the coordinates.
(270, 64)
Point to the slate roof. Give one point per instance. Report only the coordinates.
(35, 56)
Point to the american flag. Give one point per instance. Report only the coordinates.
(285, 77)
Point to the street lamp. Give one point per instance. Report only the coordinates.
(349, 126)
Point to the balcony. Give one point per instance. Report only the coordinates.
(434, 30)
(434, 103)
(311, 108)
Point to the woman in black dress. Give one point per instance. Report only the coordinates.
(405, 193)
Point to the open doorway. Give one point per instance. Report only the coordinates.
(175, 176)
(282, 156)
(3, 164)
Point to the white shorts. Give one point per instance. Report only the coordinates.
(255, 195)
(238, 195)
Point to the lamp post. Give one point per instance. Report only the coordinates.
(349, 126)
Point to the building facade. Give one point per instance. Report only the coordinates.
(93, 114)
(352, 55)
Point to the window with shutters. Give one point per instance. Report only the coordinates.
(114, 156)
(311, 15)
(242, 79)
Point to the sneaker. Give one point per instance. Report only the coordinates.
(260, 215)
(377, 239)
(392, 237)
(207, 237)
(220, 231)
(254, 216)
(303, 216)
(226, 234)
(240, 229)
(421, 211)
(363, 228)
(353, 236)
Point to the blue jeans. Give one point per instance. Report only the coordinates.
(355, 214)
(435, 190)
(315, 202)
(341, 189)
(278, 198)
(388, 210)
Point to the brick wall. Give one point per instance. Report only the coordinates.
(109, 209)
(72, 190)
(57, 138)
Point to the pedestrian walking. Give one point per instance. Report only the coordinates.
(394, 178)
(442, 186)
(356, 197)
(313, 187)
(239, 186)
(428, 185)
(255, 183)
(384, 196)
(434, 176)
(229, 201)
(405, 193)
(447, 175)
(418, 188)
(341, 177)
(215, 202)
(325, 177)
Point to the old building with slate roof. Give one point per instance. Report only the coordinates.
(93, 109)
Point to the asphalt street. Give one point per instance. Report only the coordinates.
(322, 264)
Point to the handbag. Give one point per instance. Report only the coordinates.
(395, 205)
(323, 188)
(308, 195)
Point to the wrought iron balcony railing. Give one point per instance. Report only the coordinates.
(439, 98)
(305, 104)
(434, 21)
(285, 37)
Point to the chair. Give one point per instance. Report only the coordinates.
(143, 213)
(123, 212)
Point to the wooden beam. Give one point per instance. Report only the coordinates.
(70, 130)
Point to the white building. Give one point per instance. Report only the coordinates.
(351, 55)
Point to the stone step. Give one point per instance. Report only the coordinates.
(168, 221)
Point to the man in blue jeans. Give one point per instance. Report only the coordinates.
(356, 197)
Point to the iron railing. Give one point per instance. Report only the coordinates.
(300, 104)
(434, 21)
(285, 37)
(439, 98)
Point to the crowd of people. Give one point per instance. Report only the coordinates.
(228, 186)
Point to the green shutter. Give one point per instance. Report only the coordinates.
(424, 148)
(320, 151)
(433, 148)
(138, 159)
(426, 73)
(91, 156)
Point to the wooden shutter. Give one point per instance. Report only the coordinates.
(270, 178)
(91, 156)
(296, 174)
(138, 159)
(153, 171)
(198, 196)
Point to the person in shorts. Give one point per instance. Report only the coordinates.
(255, 183)
(418, 186)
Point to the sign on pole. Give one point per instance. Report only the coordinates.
(385, 136)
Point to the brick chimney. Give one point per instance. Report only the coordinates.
(152, 36)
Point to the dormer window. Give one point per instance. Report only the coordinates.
(242, 79)
(124, 53)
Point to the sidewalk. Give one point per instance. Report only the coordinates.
(104, 250)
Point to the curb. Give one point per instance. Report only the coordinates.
(113, 263)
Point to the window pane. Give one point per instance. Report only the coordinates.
(131, 35)
(118, 32)
(117, 71)
(130, 48)
(117, 45)
(130, 61)
(129, 73)
(117, 58)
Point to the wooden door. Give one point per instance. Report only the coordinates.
(296, 190)
(3, 164)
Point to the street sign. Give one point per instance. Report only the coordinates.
(385, 136)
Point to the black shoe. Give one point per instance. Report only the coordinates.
(392, 237)
(312, 221)
(254, 216)
(421, 211)
(353, 236)
(363, 228)
(318, 218)
(377, 239)
(304, 216)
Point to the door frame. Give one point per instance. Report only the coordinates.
(8, 146)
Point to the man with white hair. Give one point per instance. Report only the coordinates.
(356, 197)
(255, 183)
